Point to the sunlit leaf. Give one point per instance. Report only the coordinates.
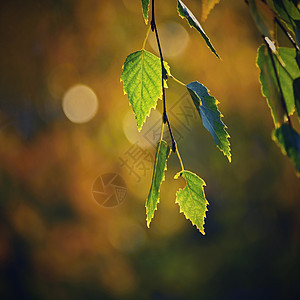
(192, 199)
(184, 12)
(211, 117)
(207, 6)
(289, 141)
(142, 78)
(145, 6)
(160, 165)
(263, 17)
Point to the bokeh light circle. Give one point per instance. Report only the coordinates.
(174, 39)
(80, 104)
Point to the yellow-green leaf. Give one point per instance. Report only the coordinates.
(160, 165)
(142, 78)
(192, 199)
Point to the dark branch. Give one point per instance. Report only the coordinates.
(163, 77)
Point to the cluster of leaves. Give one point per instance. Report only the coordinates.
(280, 69)
(144, 79)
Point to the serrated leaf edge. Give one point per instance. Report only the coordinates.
(167, 68)
(164, 177)
(179, 174)
(146, 13)
(221, 116)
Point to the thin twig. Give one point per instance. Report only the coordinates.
(165, 116)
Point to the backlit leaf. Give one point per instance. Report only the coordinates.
(160, 165)
(289, 141)
(211, 117)
(142, 78)
(184, 12)
(192, 199)
(145, 6)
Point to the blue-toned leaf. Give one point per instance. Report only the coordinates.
(184, 12)
(211, 117)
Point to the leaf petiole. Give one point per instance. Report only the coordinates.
(146, 38)
(178, 81)
(180, 160)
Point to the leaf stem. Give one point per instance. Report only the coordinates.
(278, 82)
(146, 38)
(162, 131)
(178, 81)
(180, 160)
(163, 77)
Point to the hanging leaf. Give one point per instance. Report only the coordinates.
(296, 86)
(291, 9)
(286, 10)
(192, 199)
(184, 12)
(211, 117)
(145, 6)
(289, 141)
(263, 17)
(286, 76)
(207, 6)
(142, 78)
(160, 165)
(269, 86)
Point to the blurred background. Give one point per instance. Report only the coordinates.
(66, 130)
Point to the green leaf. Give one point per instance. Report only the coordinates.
(286, 10)
(296, 85)
(210, 115)
(160, 165)
(291, 9)
(286, 76)
(145, 6)
(184, 12)
(192, 199)
(263, 17)
(289, 141)
(269, 86)
(142, 78)
(207, 6)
